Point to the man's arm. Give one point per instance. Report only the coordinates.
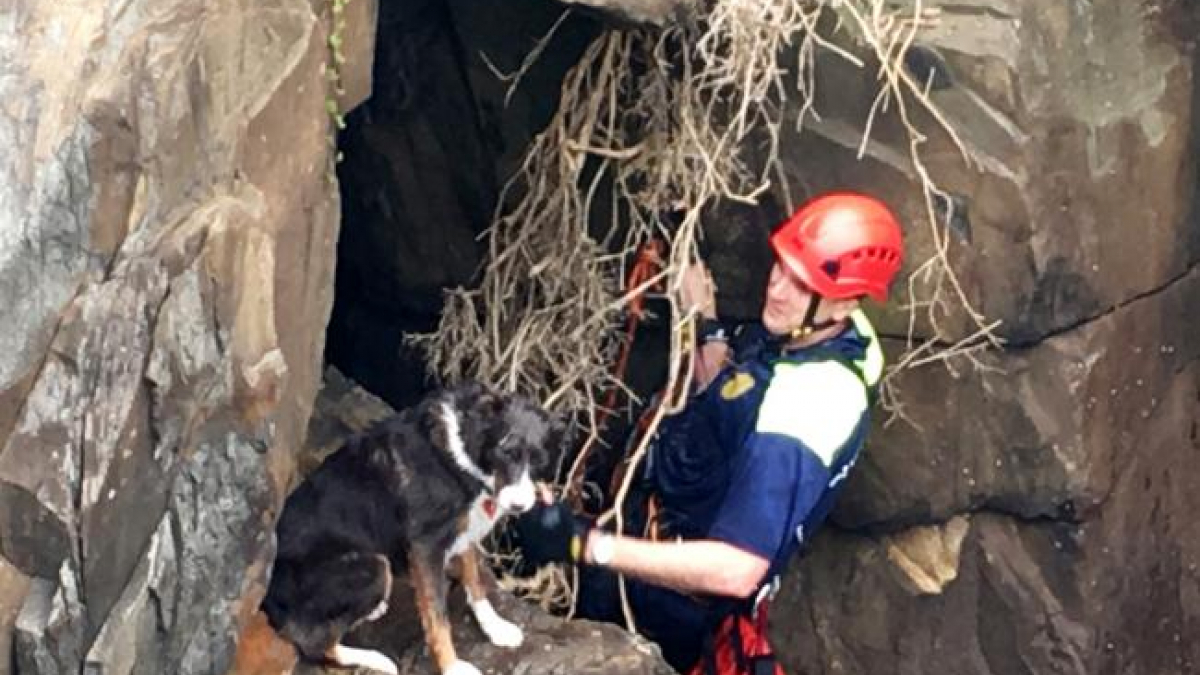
(696, 566)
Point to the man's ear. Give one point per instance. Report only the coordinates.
(839, 310)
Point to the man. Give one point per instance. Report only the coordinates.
(738, 481)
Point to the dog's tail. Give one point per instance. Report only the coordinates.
(352, 657)
(262, 651)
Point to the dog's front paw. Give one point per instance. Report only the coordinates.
(504, 633)
(353, 657)
(499, 631)
(461, 667)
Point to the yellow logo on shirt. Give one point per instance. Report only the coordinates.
(736, 386)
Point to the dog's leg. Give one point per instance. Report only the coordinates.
(499, 631)
(429, 585)
(352, 657)
(329, 598)
(381, 609)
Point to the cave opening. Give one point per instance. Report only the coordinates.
(424, 161)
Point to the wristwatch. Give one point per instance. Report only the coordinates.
(711, 330)
(603, 547)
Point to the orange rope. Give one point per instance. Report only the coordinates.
(646, 265)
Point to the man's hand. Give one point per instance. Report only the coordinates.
(551, 532)
(697, 292)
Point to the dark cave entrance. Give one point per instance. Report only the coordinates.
(424, 161)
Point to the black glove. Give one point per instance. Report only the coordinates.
(552, 533)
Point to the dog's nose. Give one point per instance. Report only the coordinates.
(522, 505)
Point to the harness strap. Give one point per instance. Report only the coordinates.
(738, 646)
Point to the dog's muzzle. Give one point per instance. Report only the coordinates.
(518, 497)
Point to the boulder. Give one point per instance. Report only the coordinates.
(1027, 513)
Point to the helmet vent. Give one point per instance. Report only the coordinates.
(832, 268)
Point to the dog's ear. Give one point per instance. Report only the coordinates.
(558, 435)
(479, 398)
(433, 425)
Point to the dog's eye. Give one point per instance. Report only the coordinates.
(508, 451)
(539, 458)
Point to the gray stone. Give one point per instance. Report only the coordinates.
(49, 630)
(552, 645)
(1038, 435)
(1103, 581)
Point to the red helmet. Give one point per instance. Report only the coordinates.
(842, 245)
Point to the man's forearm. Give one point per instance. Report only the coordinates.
(704, 566)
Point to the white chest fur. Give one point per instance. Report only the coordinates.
(480, 521)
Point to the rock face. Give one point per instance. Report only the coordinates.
(1032, 517)
(167, 229)
(1107, 589)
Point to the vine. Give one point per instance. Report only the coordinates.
(333, 69)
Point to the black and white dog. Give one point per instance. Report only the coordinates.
(420, 489)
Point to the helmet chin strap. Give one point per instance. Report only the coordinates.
(808, 326)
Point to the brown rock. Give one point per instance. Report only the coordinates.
(552, 646)
(13, 587)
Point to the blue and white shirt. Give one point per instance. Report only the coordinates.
(755, 460)
(758, 457)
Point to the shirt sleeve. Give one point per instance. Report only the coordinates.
(808, 413)
(778, 476)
